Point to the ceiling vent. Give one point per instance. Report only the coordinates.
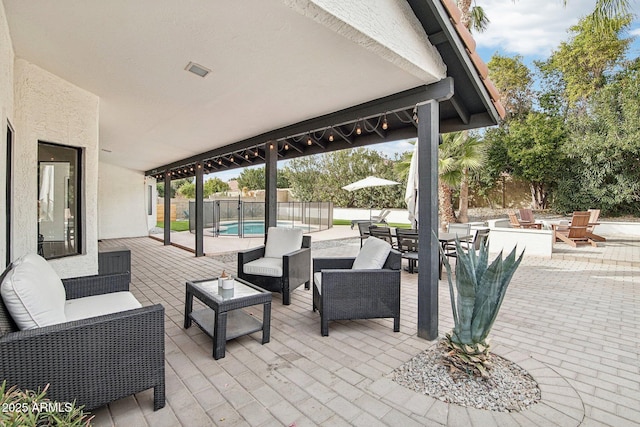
(197, 69)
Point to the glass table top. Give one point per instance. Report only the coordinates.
(239, 290)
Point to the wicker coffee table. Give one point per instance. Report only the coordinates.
(223, 320)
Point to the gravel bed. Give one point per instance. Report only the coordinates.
(508, 389)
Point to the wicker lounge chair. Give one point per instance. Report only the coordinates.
(94, 360)
(341, 292)
(281, 265)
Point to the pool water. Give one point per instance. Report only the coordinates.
(249, 227)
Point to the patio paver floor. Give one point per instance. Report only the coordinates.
(566, 318)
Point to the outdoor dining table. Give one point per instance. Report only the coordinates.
(444, 238)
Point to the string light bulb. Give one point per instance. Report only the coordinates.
(231, 159)
(271, 146)
(246, 156)
(331, 137)
(255, 154)
(309, 141)
(286, 146)
(220, 162)
(385, 125)
(358, 129)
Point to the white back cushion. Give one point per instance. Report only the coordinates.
(33, 293)
(281, 241)
(373, 254)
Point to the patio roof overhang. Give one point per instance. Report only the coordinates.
(474, 104)
(280, 70)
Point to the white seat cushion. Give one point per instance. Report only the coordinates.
(33, 293)
(317, 280)
(281, 241)
(264, 267)
(98, 305)
(373, 255)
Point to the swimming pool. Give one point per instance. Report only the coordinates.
(249, 227)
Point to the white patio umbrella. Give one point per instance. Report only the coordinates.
(370, 181)
(411, 193)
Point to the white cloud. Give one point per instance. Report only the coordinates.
(531, 27)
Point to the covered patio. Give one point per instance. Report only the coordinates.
(276, 80)
(573, 323)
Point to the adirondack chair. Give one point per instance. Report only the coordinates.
(526, 216)
(576, 233)
(516, 223)
(593, 221)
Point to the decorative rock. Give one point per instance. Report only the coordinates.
(509, 388)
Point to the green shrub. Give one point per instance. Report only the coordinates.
(29, 408)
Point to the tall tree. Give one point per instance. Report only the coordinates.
(514, 81)
(605, 150)
(534, 145)
(322, 177)
(584, 61)
(210, 186)
(254, 179)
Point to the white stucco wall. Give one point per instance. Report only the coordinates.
(6, 113)
(50, 109)
(386, 27)
(122, 202)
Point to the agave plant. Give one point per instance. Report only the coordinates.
(475, 300)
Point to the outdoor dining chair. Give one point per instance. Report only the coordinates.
(383, 233)
(363, 228)
(408, 246)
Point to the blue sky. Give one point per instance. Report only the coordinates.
(529, 28)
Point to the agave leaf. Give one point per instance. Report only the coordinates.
(483, 259)
(466, 287)
(493, 288)
(445, 261)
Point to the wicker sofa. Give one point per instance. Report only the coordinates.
(94, 360)
(341, 292)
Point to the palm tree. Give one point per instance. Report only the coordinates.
(471, 159)
(449, 174)
(458, 155)
(474, 18)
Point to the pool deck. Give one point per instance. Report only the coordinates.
(573, 322)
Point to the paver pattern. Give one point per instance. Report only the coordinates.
(574, 321)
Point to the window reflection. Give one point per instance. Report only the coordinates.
(58, 200)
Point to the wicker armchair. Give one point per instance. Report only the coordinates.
(293, 269)
(93, 361)
(340, 293)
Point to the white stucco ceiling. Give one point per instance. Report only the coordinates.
(272, 66)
